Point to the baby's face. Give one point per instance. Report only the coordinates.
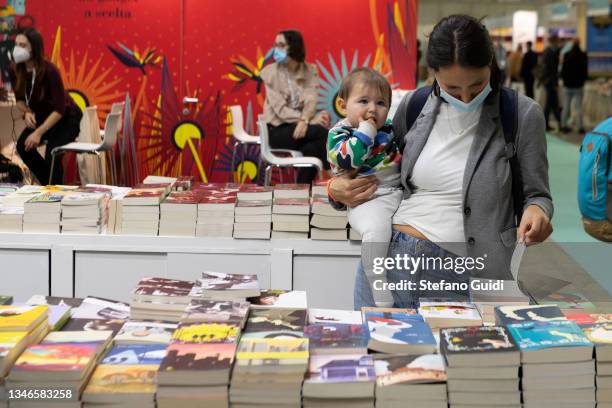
(366, 102)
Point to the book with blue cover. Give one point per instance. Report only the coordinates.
(558, 341)
(505, 315)
(136, 354)
(390, 332)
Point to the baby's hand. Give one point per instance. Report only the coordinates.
(370, 121)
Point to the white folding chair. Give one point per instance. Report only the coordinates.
(111, 129)
(273, 160)
(116, 107)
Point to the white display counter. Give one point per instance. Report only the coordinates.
(111, 265)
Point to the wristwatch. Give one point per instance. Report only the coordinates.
(306, 121)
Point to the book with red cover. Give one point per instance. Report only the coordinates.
(182, 197)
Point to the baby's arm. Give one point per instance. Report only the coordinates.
(348, 148)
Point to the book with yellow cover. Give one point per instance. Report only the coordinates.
(21, 318)
(126, 380)
(200, 333)
(11, 345)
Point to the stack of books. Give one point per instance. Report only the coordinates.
(340, 380)
(398, 331)
(179, 214)
(11, 219)
(58, 311)
(183, 183)
(97, 314)
(196, 370)
(62, 362)
(598, 329)
(336, 332)
(253, 213)
(115, 210)
(279, 298)
(160, 299)
(419, 379)
(84, 212)
(556, 356)
(487, 300)
(483, 366)
(225, 286)
(42, 213)
(291, 211)
(271, 360)
(216, 213)
(145, 332)
(17, 199)
(126, 377)
(327, 223)
(140, 209)
(442, 314)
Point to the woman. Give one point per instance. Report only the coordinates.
(50, 114)
(291, 102)
(458, 202)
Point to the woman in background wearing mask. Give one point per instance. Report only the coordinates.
(456, 174)
(50, 114)
(290, 108)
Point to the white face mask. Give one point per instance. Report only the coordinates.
(470, 106)
(20, 55)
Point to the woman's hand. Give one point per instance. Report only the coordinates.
(352, 191)
(33, 140)
(322, 118)
(300, 130)
(535, 226)
(30, 120)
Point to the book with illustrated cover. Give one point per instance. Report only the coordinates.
(279, 334)
(449, 314)
(114, 325)
(221, 311)
(182, 198)
(61, 337)
(366, 309)
(198, 357)
(254, 192)
(335, 316)
(263, 320)
(279, 298)
(341, 368)
(84, 198)
(98, 308)
(203, 333)
(220, 285)
(505, 315)
(145, 196)
(476, 346)
(54, 300)
(568, 302)
(162, 289)
(412, 369)
(399, 333)
(598, 333)
(11, 345)
(334, 338)
(21, 318)
(146, 332)
(295, 350)
(135, 354)
(589, 318)
(118, 379)
(45, 198)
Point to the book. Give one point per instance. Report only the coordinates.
(336, 338)
(553, 341)
(204, 333)
(279, 298)
(54, 300)
(260, 350)
(114, 325)
(409, 369)
(254, 192)
(145, 196)
(162, 290)
(589, 318)
(11, 346)
(21, 318)
(58, 316)
(328, 221)
(449, 314)
(328, 234)
(340, 376)
(292, 191)
(221, 285)
(265, 320)
(98, 308)
(126, 384)
(60, 337)
(505, 315)
(399, 333)
(568, 302)
(298, 206)
(138, 332)
(197, 364)
(334, 316)
(135, 354)
(220, 311)
(6, 300)
(479, 346)
(253, 207)
(320, 205)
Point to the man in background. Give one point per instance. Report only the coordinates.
(530, 60)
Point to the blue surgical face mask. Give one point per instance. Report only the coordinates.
(472, 105)
(279, 55)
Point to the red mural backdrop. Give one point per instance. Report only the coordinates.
(160, 51)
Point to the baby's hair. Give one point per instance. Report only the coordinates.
(367, 76)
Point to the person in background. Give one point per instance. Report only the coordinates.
(50, 114)
(501, 57)
(550, 80)
(574, 74)
(515, 60)
(529, 62)
(290, 107)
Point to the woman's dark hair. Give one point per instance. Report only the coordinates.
(464, 40)
(37, 56)
(295, 41)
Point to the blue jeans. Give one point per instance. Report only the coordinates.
(403, 244)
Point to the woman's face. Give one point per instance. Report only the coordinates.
(463, 83)
(281, 42)
(22, 41)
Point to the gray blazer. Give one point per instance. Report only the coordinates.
(488, 208)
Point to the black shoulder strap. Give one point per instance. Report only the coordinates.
(508, 106)
(415, 105)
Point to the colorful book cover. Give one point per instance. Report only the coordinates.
(505, 315)
(182, 197)
(450, 310)
(341, 368)
(198, 357)
(56, 357)
(392, 370)
(334, 316)
(272, 349)
(146, 192)
(571, 301)
(474, 339)
(226, 281)
(540, 335)
(294, 299)
(145, 331)
(334, 335)
(263, 320)
(589, 318)
(225, 198)
(83, 198)
(135, 354)
(113, 325)
(163, 287)
(398, 328)
(201, 333)
(205, 310)
(98, 308)
(123, 379)
(24, 316)
(8, 340)
(598, 333)
(46, 198)
(279, 334)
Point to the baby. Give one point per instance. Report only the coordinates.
(364, 142)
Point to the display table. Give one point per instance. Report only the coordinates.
(111, 265)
